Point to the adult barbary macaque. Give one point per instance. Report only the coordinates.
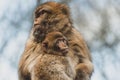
(49, 17)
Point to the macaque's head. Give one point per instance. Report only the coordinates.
(55, 43)
(51, 16)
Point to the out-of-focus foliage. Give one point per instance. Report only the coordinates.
(97, 20)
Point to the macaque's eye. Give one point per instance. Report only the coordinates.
(38, 14)
(61, 40)
(64, 40)
(41, 12)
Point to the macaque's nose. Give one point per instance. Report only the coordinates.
(37, 20)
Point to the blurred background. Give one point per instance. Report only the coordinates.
(97, 20)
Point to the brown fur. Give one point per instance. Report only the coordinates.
(49, 17)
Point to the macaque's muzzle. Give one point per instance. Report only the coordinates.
(39, 34)
(63, 47)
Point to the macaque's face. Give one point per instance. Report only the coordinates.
(61, 45)
(55, 43)
(50, 17)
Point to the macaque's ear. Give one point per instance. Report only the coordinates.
(45, 46)
(65, 9)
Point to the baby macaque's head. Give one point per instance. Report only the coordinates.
(55, 43)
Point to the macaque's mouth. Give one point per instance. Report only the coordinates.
(39, 34)
(64, 51)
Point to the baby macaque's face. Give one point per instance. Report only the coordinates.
(54, 43)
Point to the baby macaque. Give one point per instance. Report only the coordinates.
(54, 63)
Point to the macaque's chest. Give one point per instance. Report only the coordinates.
(58, 65)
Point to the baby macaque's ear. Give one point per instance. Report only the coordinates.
(45, 46)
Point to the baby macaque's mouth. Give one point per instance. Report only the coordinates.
(64, 51)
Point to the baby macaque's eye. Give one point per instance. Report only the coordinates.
(64, 40)
(42, 12)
